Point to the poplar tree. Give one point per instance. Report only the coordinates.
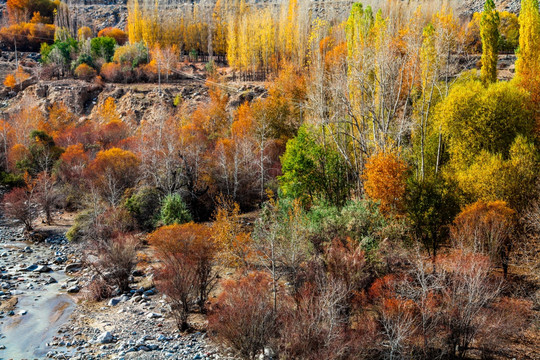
(489, 32)
(527, 63)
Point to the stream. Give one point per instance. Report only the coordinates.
(42, 305)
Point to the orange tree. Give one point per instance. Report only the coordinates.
(112, 172)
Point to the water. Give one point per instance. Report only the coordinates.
(26, 336)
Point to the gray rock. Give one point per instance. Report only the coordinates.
(51, 280)
(152, 315)
(73, 267)
(105, 338)
(74, 289)
(114, 301)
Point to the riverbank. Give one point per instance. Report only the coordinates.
(43, 313)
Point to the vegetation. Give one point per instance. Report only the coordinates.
(380, 201)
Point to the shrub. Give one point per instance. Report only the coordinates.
(174, 210)
(118, 35)
(131, 54)
(187, 244)
(103, 47)
(85, 72)
(10, 81)
(144, 206)
(116, 259)
(243, 316)
(18, 205)
(111, 72)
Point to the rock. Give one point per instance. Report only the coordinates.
(23, 312)
(2, 347)
(73, 267)
(152, 315)
(74, 289)
(114, 301)
(28, 249)
(43, 269)
(105, 338)
(32, 267)
(51, 280)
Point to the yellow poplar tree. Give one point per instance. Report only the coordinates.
(489, 32)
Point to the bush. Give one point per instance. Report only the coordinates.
(116, 259)
(85, 72)
(243, 316)
(174, 210)
(131, 54)
(144, 206)
(118, 35)
(17, 205)
(103, 47)
(111, 72)
(180, 247)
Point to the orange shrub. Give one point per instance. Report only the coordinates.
(384, 180)
(10, 81)
(85, 72)
(115, 33)
(111, 72)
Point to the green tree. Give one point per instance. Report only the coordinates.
(174, 210)
(314, 171)
(489, 32)
(144, 206)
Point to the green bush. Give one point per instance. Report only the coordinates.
(174, 210)
(144, 206)
(11, 180)
(103, 47)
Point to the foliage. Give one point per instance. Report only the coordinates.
(85, 72)
(190, 243)
(174, 210)
(103, 47)
(489, 32)
(145, 207)
(243, 316)
(112, 172)
(117, 34)
(29, 36)
(10, 81)
(384, 181)
(431, 206)
(18, 205)
(312, 171)
(486, 228)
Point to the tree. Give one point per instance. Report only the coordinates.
(486, 228)
(174, 210)
(489, 32)
(46, 193)
(384, 181)
(188, 255)
(312, 170)
(112, 172)
(243, 316)
(529, 40)
(144, 206)
(18, 205)
(10, 81)
(229, 234)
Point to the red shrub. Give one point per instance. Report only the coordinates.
(18, 206)
(243, 317)
(85, 72)
(112, 72)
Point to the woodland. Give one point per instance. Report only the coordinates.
(381, 200)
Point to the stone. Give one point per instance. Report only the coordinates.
(74, 289)
(152, 315)
(73, 267)
(51, 280)
(114, 301)
(105, 338)
(23, 312)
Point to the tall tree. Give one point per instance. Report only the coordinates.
(489, 32)
(529, 40)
